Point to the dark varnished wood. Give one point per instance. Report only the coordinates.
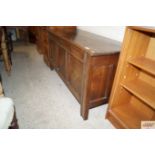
(90, 42)
(86, 62)
(61, 65)
(75, 70)
(42, 42)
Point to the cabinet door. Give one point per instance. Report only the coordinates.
(75, 74)
(61, 66)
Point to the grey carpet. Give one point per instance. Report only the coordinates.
(41, 98)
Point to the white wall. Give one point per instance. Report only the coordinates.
(113, 32)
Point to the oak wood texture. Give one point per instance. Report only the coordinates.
(144, 64)
(150, 29)
(126, 113)
(85, 62)
(142, 90)
(132, 99)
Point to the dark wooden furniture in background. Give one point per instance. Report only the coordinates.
(43, 43)
(9, 43)
(32, 34)
(86, 62)
(5, 51)
(133, 95)
(19, 33)
(41, 38)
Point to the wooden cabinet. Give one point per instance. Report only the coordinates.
(39, 39)
(42, 40)
(132, 99)
(63, 29)
(42, 43)
(32, 30)
(86, 63)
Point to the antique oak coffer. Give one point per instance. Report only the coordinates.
(86, 63)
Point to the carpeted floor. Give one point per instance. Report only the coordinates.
(41, 98)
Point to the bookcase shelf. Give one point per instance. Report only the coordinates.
(132, 99)
(143, 63)
(127, 112)
(142, 90)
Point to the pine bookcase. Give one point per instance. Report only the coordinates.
(133, 94)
